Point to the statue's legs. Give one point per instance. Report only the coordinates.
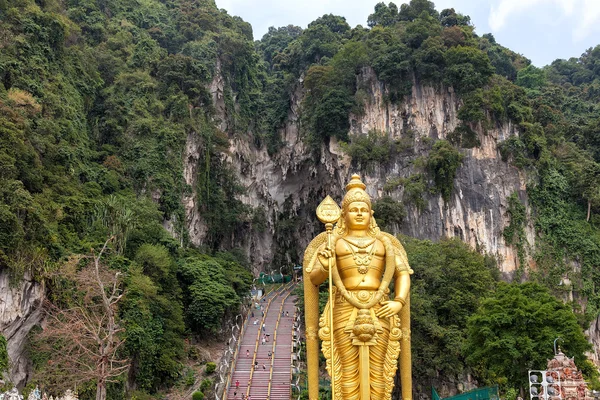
(348, 354)
(377, 355)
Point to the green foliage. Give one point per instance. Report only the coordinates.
(514, 233)
(442, 163)
(218, 190)
(330, 92)
(513, 330)
(153, 321)
(416, 8)
(210, 367)
(505, 62)
(513, 150)
(323, 36)
(464, 136)
(209, 294)
(374, 148)
(429, 60)
(414, 188)
(189, 377)
(449, 18)
(449, 281)
(391, 61)
(468, 68)
(590, 373)
(206, 384)
(3, 355)
(531, 77)
(388, 212)
(383, 15)
(197, 395)
(512, 394)
(275, 41)
(567, 234)
(97, 100)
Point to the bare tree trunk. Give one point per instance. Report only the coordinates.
(101, 390)
(589, 211)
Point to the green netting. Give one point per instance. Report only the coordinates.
(485, 393)
(275, 278)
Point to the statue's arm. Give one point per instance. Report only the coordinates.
(402, 286)
(401, 289)
(402, 279)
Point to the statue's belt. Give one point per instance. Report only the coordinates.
(362, 296)
(362, 325)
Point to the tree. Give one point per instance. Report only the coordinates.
(531, 77)
(391, 60)
(153, 319)
(415, 8)
(323, 37)
(209, 295)
(513, 330)
(383, 15)
(276, 40)
(388, 212)
(448, 283)
(449, 17)
(468, 68)
(442, 164)
(83, 339)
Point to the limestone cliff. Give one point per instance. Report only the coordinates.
(20, 311)
(291, 182)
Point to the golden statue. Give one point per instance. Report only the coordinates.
(369, 329)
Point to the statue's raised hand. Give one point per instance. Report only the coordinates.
(324, 257)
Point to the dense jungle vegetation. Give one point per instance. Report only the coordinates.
(97, 98)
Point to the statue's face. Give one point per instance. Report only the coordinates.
(358, 215)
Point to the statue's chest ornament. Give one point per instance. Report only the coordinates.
(361, 253)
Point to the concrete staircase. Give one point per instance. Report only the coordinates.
(264, 370)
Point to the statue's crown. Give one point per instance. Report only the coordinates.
(355, 191)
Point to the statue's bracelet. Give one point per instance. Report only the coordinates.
(401, 301)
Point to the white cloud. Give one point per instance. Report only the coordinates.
(499, 15)
(590, 19)
(583, 15)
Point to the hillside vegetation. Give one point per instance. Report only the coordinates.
(98, 97)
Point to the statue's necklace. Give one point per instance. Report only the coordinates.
(362, 259)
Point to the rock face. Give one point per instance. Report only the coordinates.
(292, 182)
(20, 311)
(593, 334)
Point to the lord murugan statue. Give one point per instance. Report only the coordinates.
(370, 331)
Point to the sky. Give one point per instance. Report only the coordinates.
(541, 30)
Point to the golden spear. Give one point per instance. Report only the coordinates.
(328, 213)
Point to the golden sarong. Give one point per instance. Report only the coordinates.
(384, 348)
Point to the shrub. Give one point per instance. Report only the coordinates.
(190, 377)
(206, 384)
(198, 396)
(442, 164)
(388, 211)
(210, 367)
(373, 148)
